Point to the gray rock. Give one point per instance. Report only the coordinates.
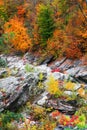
(42, 99)
(58, 75)
(68, 92)
(66, 64)
(61, 76)
(58, 63)
(18, 86)
(61, 105)
(30, 58)
(17, 92)
(59, 128)
(75, 68)
(66, 107)
(73, 71)
(47, 60)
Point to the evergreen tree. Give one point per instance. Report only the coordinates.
(45, 23)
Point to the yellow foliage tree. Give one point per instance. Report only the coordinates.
(53, 86)
(81, 92)
(70, 86)
(21, 41)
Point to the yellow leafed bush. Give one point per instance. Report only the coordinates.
(81, 92)
(70, 86)
(53, 86)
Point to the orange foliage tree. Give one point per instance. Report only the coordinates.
(69, 37)
(55, 44)
(21, 41)
(21, 10)
(1, 2)
(62, 44)
(73, 51)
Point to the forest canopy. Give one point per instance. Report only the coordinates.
(55, 26)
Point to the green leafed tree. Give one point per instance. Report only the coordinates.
(45, 23)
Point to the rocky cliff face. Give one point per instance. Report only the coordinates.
(19, 79)
(77, 69)
(16, 85)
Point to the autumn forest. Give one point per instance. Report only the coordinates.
(43, 64)
(55, 26)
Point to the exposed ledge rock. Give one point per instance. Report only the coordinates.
(18, 86)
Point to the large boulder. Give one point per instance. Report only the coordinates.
(18, 86)
(15, 91)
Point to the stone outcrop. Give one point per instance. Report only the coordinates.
(19, 83)
(16, 85)
(75, 68)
